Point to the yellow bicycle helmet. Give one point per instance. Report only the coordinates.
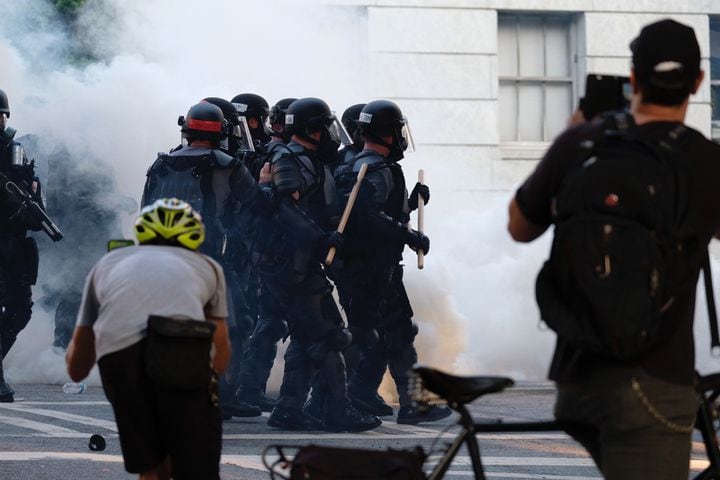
(169, 220)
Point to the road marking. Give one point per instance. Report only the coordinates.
(254, 462)
(390, 436)
(68, 417)
(70, 402)
(45, 429)
(33, 456)
(522, 475)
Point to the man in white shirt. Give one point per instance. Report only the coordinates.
(160, 426)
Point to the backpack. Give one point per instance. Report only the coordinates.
(620, 255)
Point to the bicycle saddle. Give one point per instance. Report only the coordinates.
(460, 390)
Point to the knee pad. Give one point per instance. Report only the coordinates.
(402, 335)
(365, 338)
(335, 341)
(275, 328)
(340, 339)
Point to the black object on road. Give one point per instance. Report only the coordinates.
(97, 443)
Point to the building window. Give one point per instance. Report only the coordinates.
(715, 75)
(536, 69)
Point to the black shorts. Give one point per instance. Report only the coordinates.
(155, 422)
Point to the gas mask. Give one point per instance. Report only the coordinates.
(402, 141)
(333, 136)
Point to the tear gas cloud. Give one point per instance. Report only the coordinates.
(109, 90)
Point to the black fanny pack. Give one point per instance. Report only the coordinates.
(331, 463)
(178, 352)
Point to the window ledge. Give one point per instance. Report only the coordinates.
(523, 150)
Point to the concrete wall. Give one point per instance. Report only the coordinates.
(438, 60)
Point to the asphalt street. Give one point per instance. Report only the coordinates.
(45, 436)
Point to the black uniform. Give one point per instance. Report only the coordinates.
(300, 286)
(379, 312)
(18, 253)
(296, 281)
(270, 327)
(81, 193)
(214, 183)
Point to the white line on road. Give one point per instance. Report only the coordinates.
(32, 456)
(254, 462)
(390, 436)
(529, 476)
(69, 402)
(45, 429)
(68, 417)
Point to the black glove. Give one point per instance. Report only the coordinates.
(421, 190)
(417, 241)
(329, 240)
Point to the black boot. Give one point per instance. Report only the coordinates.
(315, 405)
(346, 418)
(230, 406)
(422, 412)
(6, 393)
(288, 418)
(370, 402)
(256, 398)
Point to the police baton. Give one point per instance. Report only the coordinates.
(421, 219)
(348, 208)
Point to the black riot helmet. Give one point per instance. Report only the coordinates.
(382, 118)
(228, 109)
(204, 121)
(350, 122)
(309, 115)
(277, 114)
(239, 138)
(4, 105)
(253, 106)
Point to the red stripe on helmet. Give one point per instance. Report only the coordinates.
(204, 125)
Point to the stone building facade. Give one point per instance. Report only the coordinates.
(487, 84)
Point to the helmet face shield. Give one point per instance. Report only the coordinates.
(406, 136)
(337, 131)
(241, 134)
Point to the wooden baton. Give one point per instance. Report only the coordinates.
(348, 209)
(421, 220)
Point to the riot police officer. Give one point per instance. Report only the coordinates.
(256, 110)
(379, 311)
(277, 120)
(347, 153)
(18, 253)
(212, 181)
(271, 325)
(292, 273)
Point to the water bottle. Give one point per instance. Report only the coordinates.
(74, 388)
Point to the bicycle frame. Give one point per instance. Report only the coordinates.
(467, 436)
(704, 424)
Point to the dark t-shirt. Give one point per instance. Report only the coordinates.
(673, 358)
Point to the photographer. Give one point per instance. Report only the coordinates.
(634, 407)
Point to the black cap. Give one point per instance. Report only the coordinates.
(667, 54)
(97, 443)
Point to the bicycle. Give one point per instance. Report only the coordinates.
(459, 391)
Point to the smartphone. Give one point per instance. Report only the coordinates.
(119, 243)
(604, 93)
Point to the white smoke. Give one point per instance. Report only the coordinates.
(150, 61)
